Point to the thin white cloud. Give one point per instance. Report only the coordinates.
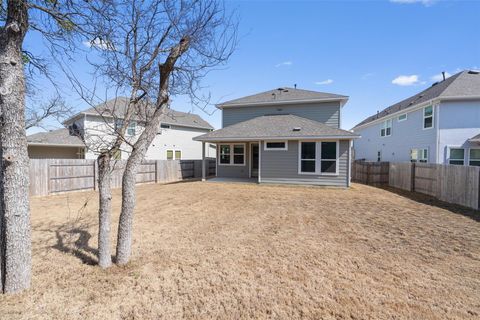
(324, 82)
(284, 64)
(367, 75)
(426, 3)
(99, 44)
(406, 80)
(439, 77)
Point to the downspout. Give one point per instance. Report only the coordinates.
(437, 129)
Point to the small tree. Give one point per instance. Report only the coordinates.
(195, 36)
(150, 50)
(57, 22)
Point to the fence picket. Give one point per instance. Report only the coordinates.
(50, 176)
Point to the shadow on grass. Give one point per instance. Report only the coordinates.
(431, 201)
(79, 247)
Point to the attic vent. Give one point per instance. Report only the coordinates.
(297, 129)
(473, 72)
(280, 89)
(434, 84)
(285, 90)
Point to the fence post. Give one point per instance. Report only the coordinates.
(412, 178)
(369, 172)
(157, 175)
(95, 175)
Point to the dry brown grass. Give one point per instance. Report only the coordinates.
(232, 251)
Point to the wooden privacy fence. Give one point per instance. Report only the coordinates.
(50, 176)
(372, 173)
(449, 183)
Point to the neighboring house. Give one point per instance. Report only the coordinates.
(284, 135)
(438, 125)
(90, 131)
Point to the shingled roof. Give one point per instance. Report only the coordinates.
(475, 139)
(282, 95)
(276, 127)
(463, 84)
(59, 137)
(117, 108)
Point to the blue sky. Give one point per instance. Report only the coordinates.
(376, 52)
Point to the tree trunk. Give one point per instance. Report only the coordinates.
(125, 225)
(104, 210)
(15, 241)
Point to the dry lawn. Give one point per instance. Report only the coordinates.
(239, 251)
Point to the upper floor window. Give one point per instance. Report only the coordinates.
(474, 159)
(165, 126)
(131, 130)
(118, 124)
(402, 117)
(457, 156)
(386, 128)
(428, 117)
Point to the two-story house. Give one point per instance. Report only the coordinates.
(284, 135)
(92, 130)
(438, 125)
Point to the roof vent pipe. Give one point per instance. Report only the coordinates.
(295, 86)
(443, 75)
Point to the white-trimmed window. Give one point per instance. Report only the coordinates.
(428, 117)
(474, 157)
(318, 157)
(457, 156)
(178, 154)
(132, 128)
(118, 124)
(419, 155)
(232, 154)
(169, 154)
(402, 117)
(386, 128)
(276, 145)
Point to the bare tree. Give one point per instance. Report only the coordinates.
(148, 51)
(55, 108)
(181, 42)
(57, 21)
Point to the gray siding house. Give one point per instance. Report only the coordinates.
(438, 125)
(284, 135)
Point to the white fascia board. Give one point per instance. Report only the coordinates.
(276, 138)
(396, 114)
(56, 145)
(222, 106)
(416, 107)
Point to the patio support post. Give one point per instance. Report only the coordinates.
(203, 162)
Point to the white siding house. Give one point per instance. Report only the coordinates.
(92, 130)
(432, 126)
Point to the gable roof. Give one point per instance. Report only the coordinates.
(464, 84)
(283, 95)
(59, 137)
(475, 139)
(276, 127)
(117, 108)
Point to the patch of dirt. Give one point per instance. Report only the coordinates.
(239, 251)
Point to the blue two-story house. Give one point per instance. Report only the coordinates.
(438, 125)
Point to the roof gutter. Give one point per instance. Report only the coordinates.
(54, 144)
(342, 100)
(349, 137)
(417, 106)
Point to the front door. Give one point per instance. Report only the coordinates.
(254, 162)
